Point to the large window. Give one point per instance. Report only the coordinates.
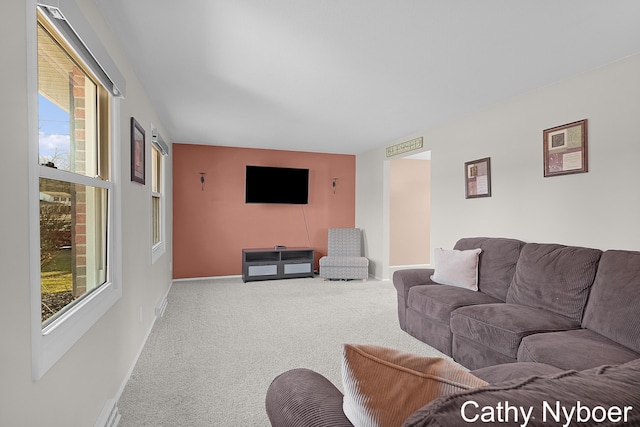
(74, 157)
(73, 140)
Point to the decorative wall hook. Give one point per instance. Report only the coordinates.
(334, 184)
(202, 174)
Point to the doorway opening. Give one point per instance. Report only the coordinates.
(410, 211)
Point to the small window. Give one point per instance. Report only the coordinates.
(156, 194)
(159, 149)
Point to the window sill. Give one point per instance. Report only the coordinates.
(52, 342)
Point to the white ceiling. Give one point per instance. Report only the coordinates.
(345, 76)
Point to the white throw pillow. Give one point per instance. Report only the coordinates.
(456, 268)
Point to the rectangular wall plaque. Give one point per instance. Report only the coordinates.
(477, 175)
(565, 149)
(403, 147)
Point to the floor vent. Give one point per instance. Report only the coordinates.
(161, 308)
(110, 417)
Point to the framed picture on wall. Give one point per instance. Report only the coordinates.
(137, 152)
(565, 149)
(477, 178)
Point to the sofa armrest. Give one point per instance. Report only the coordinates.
(304, 398)
(403, 280)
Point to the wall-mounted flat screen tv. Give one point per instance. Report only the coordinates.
(266, 184)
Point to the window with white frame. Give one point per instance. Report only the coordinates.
(74, 266)
(75, 176)
(159, 149)
(156, 194)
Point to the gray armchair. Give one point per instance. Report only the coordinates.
(344, 260)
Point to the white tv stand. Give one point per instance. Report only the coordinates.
(276, 263)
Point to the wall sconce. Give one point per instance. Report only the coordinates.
(202, 174)
(334, 184)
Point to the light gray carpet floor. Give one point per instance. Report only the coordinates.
(210, 359)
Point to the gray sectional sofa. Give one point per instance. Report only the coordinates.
(607, 396)
(566, 306)
(549, 327)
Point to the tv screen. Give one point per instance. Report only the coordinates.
(265, 184)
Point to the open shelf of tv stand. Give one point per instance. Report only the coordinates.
(276, 263)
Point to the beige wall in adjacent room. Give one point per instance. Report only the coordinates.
(409, 212)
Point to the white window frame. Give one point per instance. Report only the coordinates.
(51, 343)
(158, 249)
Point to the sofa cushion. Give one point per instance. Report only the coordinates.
(614, 302)
(382, 386)
(577, 349)
(475, 354)
(431, 331)
(497, 262)
(456, 268)
(554, 277)
(509, 371)
(437, 301)
(610, 388)
(502, 326)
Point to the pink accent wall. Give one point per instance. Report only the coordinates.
(212, 226)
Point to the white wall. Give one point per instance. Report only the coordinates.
(596, 209)
(74, 391)
(372, 212)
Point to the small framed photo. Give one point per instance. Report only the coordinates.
(137, 152)
(565, 149)
(477, 178)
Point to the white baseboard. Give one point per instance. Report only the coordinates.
(191, 279)
(109, 417)
(406, 266)
(162, 305)
(135, 360)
